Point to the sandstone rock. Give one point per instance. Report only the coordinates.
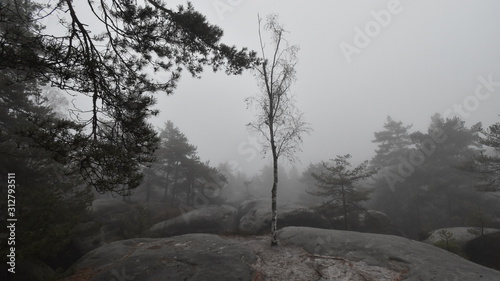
(461, 235)
(192, 257)
(319, 254)
(256, 217)
(373, 221)
(112, 220)
(413, 260)
(106, 210)
(112, 215)
(210, 219)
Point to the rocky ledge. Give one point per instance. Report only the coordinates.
(303, 254)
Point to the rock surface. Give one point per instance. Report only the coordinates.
(411, 259)
(105, 210)
(373, 221)
(256, 217)
(461, 235)
(210, 219)
(192, 257)
(291, 262)
(108, 215)
(303, 254)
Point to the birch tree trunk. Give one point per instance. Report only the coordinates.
(274, 209)
(279, 122)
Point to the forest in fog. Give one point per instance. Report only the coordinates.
(316, 121)
(440, 178)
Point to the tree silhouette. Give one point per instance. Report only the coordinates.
(50, 200)
(117, 64)
(337, 183)
(279, 123)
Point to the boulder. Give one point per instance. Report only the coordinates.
(468, 242)
(89, 237)
(303, 253)
(412, 260)
(460, 235)
(210, 219)
(112, 220)
(373, 221)
(192, 257)
(105, 210)
(113, 216)
(256, 217)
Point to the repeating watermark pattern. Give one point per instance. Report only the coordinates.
(415, 158)
(483, 91)
(321, 245)
(202, 198)
(121, 276)
(249, 148)
(372, 29)
(223, 7)
(471, 103)
(11, 222)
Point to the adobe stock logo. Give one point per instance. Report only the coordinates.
(123, 276)
(226, 6)
(483, 91)
(363, 37)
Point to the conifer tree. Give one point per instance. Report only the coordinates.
(337, 183)
(117, 65)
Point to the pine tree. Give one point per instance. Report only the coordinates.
(50, 199)
(422, 187)
(337, 183)
(487, 164)
(180, 169)
(112, 67)
(393, 142)
(172, 156)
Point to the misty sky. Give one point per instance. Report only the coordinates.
(426, 57)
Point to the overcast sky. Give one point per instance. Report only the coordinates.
(424, 58)
(359, 62)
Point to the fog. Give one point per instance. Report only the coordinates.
(428, 58)
(359, 65)
(395, 93)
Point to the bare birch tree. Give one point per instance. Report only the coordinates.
(279, 123)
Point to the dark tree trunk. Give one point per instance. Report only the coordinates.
(190, 191)
(274, 210)
(344, 205)
(148, 187)
(167, 183)
(174, 188)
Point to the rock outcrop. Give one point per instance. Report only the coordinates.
(210, 219)
(108, 224)
(460, 235)
(303, 252)
(192, 257)
(373, 221)
(414, 260)
(256, 217)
